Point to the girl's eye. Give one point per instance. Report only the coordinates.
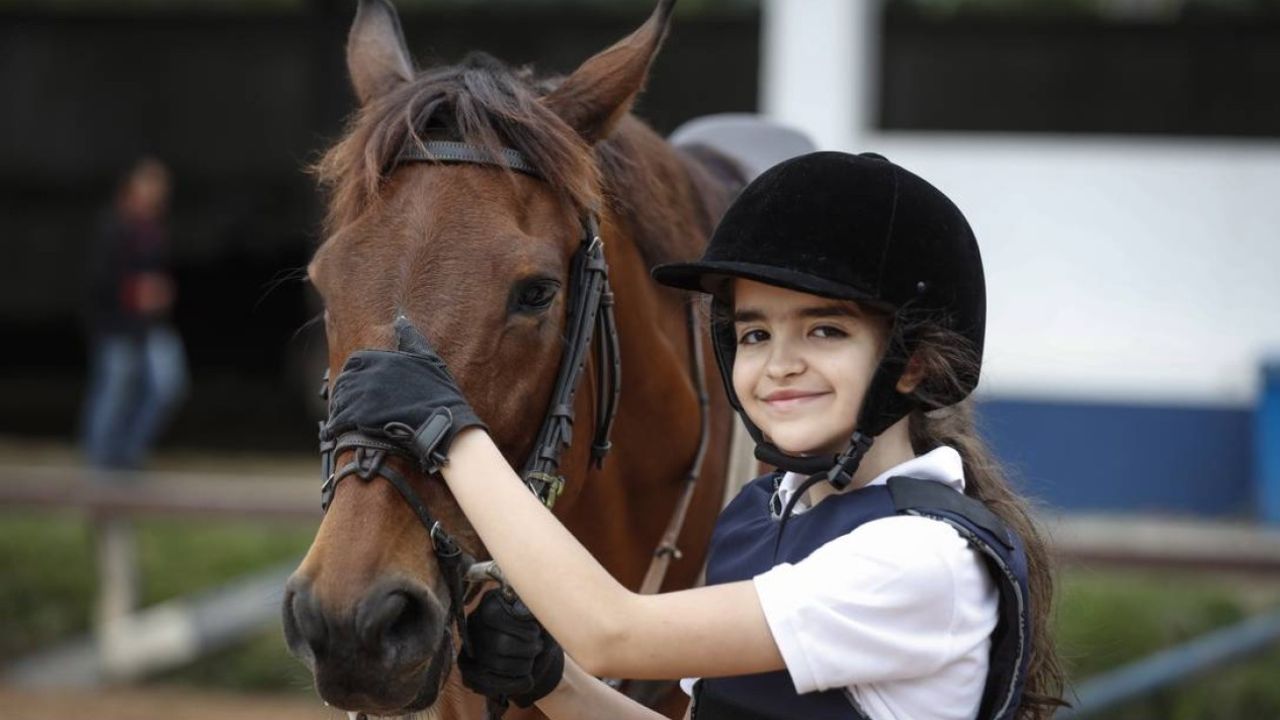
(751, 337)
(829, 331)
(535, 295)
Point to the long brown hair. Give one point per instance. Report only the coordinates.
(943, 357)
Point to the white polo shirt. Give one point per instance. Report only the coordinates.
(898, 613)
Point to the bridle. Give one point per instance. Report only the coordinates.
(591, 314)
(591, 318)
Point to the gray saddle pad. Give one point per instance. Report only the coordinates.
(755, 143)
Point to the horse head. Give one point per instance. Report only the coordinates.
(478, 257)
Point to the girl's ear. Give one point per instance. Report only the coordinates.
(912, 376)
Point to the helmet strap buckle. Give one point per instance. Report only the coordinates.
(841, 473)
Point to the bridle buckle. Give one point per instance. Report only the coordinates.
(368, 462)
(548, 489)
(442, 543)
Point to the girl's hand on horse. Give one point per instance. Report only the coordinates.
(512, 656)
(405, 395)
(605, 627)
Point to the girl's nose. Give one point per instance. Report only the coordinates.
(784, 359)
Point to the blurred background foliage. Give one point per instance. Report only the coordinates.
(1106, 618)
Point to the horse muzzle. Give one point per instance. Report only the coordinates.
(387, 655)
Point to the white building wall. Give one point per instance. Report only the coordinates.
(1118, 269)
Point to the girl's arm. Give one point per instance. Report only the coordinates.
(610, 631)
(580, 695)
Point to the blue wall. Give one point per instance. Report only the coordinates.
(1127, 458)
(1267, 445)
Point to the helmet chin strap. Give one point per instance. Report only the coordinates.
(835, 469)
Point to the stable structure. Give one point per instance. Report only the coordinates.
(1131, 280)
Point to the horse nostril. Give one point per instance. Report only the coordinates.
(412, 620)
(305, 630)
(396, 621)
(378, 614)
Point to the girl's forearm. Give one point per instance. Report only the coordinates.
(609, 630)
(570, 593)
(580, 695)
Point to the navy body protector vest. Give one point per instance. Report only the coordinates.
(743, 545)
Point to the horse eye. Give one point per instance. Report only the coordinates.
(535, 295)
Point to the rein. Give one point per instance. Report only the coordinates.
(591, 319)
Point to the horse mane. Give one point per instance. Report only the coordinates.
(483, 102)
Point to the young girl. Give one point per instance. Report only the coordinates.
(887, 570)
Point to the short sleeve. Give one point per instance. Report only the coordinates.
(874, 605)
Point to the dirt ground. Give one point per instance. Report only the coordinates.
(155, 704)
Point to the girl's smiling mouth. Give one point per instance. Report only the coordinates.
(788, 399)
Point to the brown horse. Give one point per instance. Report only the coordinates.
(478, 258)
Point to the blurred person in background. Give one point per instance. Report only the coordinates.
(137, 362)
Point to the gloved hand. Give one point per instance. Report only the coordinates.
(512, 656)
(404, 395)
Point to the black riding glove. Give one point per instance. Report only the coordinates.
(512, 656)
(406, 396)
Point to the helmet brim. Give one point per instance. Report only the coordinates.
(709, 276)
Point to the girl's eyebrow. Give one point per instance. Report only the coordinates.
(842, 310)
(827, 311)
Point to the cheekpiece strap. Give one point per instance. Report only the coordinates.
(588, 314)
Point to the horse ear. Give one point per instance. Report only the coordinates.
(600, 92)
(377, 57)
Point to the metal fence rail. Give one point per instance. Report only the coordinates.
(159, 493)
(129, 642)
(164, 636)
(1167, 667)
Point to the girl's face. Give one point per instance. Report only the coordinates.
(803, 364)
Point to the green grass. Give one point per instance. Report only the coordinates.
(48, 584)
(46, 580)
(1107, 619)
(1104, 619)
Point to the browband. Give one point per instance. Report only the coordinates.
(448, 151)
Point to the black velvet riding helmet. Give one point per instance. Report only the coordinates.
(850, 227)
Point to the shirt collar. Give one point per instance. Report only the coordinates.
(941, 464)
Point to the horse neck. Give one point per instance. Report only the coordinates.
(665, 218)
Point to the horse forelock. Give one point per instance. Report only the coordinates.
(487, 104)
(479, 101)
